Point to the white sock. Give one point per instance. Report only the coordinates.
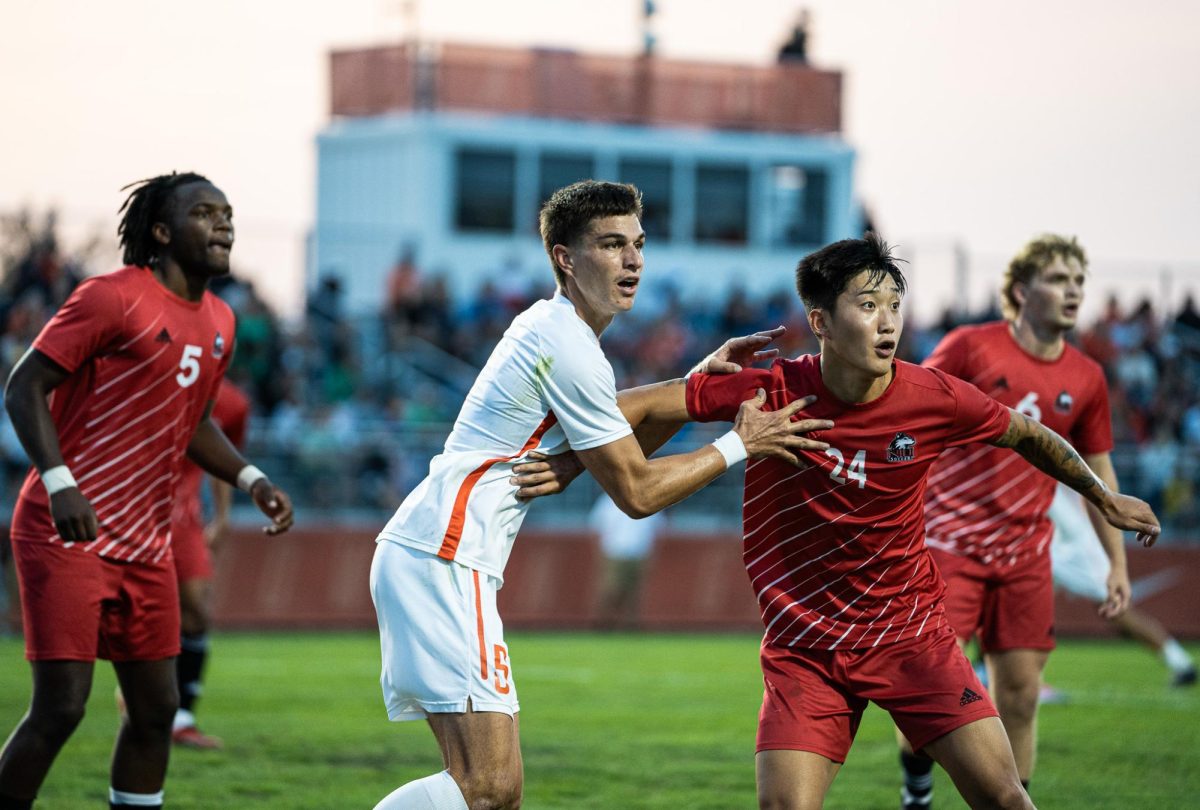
(123, 798)
(1176, 656)
(436, 792)
(183, 719)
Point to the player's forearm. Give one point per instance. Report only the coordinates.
(1111, 539)
(659, 403)
(653, 411)
(669, 480)
(1050, 453)
(212, 452)
(222, 495)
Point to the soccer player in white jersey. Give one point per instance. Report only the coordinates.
(1081, 567)
(547, 387)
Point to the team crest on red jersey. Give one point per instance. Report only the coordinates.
(1063, 402)
(219, 346)
(902, 448)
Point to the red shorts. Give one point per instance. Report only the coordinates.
(1009, 609)
(193, 560)
(814, 699)
(79, 606)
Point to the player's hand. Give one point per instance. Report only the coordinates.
(1120, 592)
(73, 516)
(774, 434)
(1131, 514)
(539, 474)
(275, 504)
(736, 353)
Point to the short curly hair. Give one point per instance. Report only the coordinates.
(566, 215)
(1038, 254)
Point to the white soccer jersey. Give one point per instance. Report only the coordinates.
(546, 387)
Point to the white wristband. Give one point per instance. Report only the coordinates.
(249, 476)
(56, 479)
(731, 447)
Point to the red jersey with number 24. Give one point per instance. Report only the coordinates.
(143, 365)
(835, 552)
(985, 502)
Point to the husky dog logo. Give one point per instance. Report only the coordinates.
(219, 346)
(1063, 402)
(902, 448)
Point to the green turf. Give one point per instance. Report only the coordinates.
(608, 721)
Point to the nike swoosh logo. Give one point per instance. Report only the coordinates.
(1154, 584)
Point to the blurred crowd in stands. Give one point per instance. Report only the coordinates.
(352, 405)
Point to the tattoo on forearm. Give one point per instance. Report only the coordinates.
(1050, 453)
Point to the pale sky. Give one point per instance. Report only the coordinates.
(975, 122)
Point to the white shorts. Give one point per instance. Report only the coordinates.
(441, 637)
(1080, 564)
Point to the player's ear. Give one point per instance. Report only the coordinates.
(818, 322)
(1019, 292)
(161, 233)
(561, 255)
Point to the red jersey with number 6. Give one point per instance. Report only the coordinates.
(143, 365)
(985, 502)
(836, 552)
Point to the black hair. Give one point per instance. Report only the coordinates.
(566, 215)
(148, 203)
(822, 276)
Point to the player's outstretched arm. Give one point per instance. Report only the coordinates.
(1050, 453)
(212, 451)
(641, 487)
(32, 379)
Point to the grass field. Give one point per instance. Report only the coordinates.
(608, 721)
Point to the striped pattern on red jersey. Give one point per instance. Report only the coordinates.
(985, 502)
(835, 552)
(143, 364)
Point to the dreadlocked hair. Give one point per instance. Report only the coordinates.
(144, 206)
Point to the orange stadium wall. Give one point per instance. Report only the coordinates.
(317, 578)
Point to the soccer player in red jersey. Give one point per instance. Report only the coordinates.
(849, 595)
(114, 393)
(192, 544)
(986, 520)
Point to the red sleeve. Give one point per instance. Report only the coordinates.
(1092, 432)
(90, 323)
(950, 355)
(977, 417)
(717, 397)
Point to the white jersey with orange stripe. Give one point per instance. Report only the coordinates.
(548, 387)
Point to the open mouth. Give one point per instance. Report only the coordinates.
(628, 285)
(885, 348)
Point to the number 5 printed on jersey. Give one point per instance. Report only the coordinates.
(189, 365)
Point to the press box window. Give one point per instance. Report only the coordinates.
(485, 184)
(653, 177)
(798, 196)
(722, 204)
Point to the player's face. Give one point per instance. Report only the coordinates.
(1052, 297)
(201, 229)
(864, 329)
(606, 266)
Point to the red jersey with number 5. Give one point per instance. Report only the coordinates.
(985, 502)
(836, 552)
(143, 365)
